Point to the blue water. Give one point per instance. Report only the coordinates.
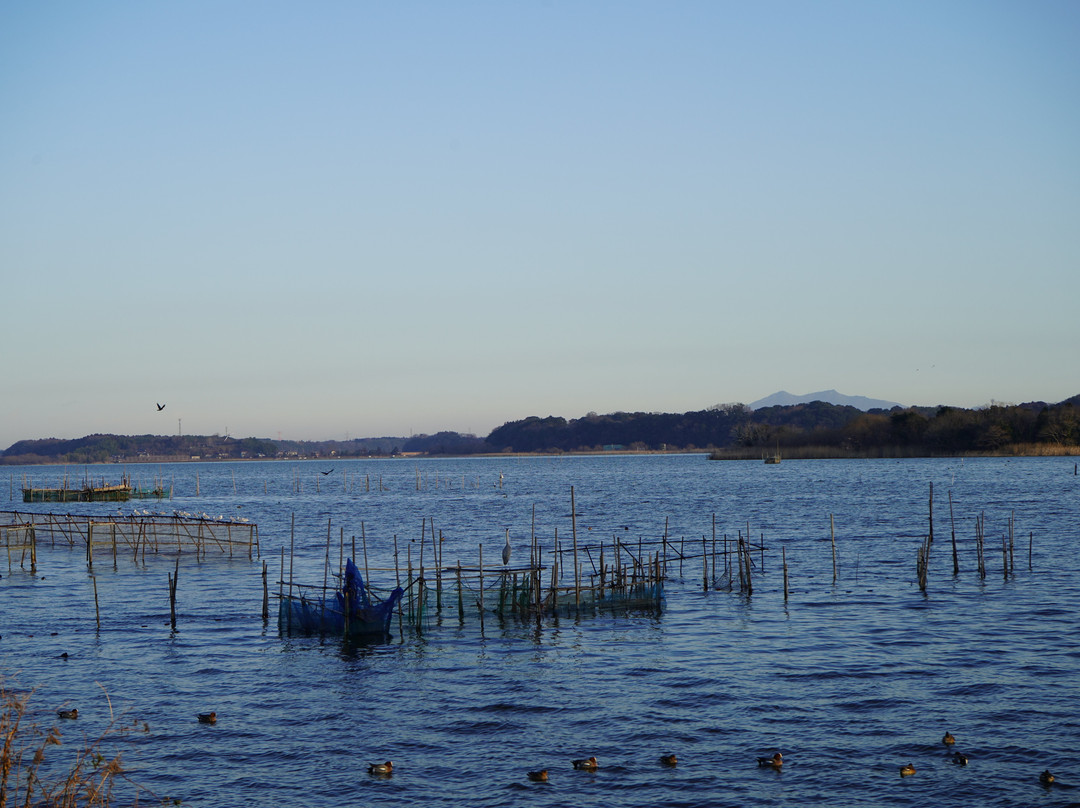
(849, 680)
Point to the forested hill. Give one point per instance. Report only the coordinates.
(813, 429)
(816, 429)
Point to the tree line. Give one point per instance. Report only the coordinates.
(816, 429)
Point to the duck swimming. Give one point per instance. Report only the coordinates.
(906, 770)
(380, 768)
(72, 713)
(668, 760)
(776, 761)
(1046, 778)
(586, 764)
(948, 740)
(538, 777)
(959, 758)
(207, 718)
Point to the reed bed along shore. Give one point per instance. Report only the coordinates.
(37, 769)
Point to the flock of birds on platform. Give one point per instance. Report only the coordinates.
(591, 764)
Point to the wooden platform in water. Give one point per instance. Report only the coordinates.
(97, 493)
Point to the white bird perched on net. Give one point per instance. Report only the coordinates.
(506, 549)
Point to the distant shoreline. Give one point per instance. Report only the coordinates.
(789, 454)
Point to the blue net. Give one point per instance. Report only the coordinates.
(353, 610)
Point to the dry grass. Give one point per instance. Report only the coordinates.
(83, 776)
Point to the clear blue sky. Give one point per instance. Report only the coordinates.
(320, 220)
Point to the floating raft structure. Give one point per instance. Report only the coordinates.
(159, 491)
(88, 493)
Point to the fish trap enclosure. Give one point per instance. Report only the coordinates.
(134, 534)
(353, 610)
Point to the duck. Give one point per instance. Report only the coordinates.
(386, 767)
(538, 777)
(586, 764)
(72, 713)
(906, 770)
(948, 740)
(775, 762)
(207, 718)
(959, 758)
(668, 760)
(1046, 778)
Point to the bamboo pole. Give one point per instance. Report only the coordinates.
(266, 596)
(436, 559)
(749, 579)
(363, 540)
(783, 556)
(952, 523)
(705, 567)
(460, 596)
(97, 610)
(573, 527)
(1012, 523)
(832, 537)
(714, 546)
(292, 546)
(931, 541)
(325, 574)
(173, 578)
(480, 600)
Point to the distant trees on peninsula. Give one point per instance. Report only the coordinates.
(816, 429)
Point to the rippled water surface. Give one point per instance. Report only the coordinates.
(849, 680)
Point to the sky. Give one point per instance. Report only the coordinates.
(353, 219)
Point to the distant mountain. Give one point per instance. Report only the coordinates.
(786, 399)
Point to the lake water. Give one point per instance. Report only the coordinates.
(849, 680)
